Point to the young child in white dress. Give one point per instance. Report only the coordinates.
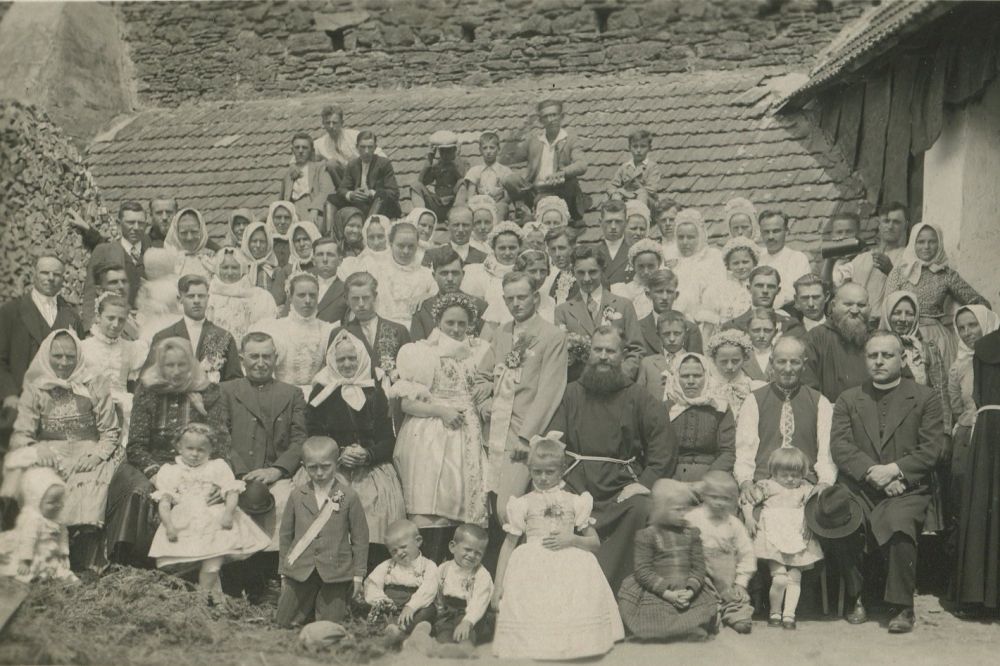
(553, 598)
(38, 546)
(405, 584)
(191, 530)
(780, 533)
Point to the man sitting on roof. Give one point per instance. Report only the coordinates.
(555, 162)
(307, 184)
(369, 182)
(441, 175)
(339, 145)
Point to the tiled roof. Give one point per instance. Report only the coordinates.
(872, 34)
(713, 135)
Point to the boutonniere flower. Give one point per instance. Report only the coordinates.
(212, 365)
(609, 315)
(515, 357)
(336, 499)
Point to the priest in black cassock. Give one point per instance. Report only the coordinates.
(619, 442)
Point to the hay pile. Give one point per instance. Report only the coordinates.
(147, 618)
(42, 177)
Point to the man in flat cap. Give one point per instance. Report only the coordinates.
(442, 174)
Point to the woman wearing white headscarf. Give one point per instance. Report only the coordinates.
(701, 418)
(699, 266)
(485, 280)
(347, 404)
(188, 237)
(235, 302)
(239, 220)
(258, 249)
(924, 270)
(281, 215)
(426, 221)
(66, 419)
(741, 220)
(375, 233)
(301, 235)
(484, 218)
(637, 219)
(439, 452)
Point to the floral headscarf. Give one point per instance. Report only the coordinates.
(680, 402)
(545, 204)
(270, 219)
(692, 217)
(173, 241)
(269, 261)
(340, 220)
(910, 265)
(295, 260)
(42, 375)
(192, 384)
(989, 321)
(352, 388)
(741, 206)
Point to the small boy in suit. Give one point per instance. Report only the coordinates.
(671, 328)
(323, 542)
(639, 177)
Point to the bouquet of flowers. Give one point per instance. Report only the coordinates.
(577, 347)
(518, 352)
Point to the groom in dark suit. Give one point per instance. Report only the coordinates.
(886, 438)
(213, 345)
(369, 181)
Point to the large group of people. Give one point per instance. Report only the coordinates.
(472, 427)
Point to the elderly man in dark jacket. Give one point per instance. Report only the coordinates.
(267, 423)
(886, 439)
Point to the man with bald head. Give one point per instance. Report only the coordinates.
(886, 438)
(784, 413)
(459, 235)
(835, 359)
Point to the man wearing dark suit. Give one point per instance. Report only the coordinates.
(369, 181)
(448, 273)
(213, 345)
(765, 283)
(596, 305)
(661, 287)
(126, 252)
(382, 338)
(267, 423)
(459, 234)
(333, 296)
(613, 244)
(560, 242)
(886, 439)
(27, 320)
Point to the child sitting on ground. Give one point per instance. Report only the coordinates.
(323, 541)
(639, 177)
(728, 550)
(554, 600)
(464, 590)
(38, 546)
(665, 599)
(487, 178)
(192, 530)
(405, 584)
(780, 533)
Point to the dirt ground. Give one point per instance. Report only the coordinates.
(939, 638)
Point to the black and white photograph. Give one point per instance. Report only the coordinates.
(400, 332)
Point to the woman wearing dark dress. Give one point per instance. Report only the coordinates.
(702, 420)
(977, 575)
(348, 405)
(172, 392)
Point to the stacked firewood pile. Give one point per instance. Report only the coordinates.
(42, 178)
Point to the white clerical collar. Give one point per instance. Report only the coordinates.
(888, 386)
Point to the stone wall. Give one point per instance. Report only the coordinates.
(242, 50)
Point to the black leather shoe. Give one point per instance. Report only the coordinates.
(903, 622)
(788, 623)
(774, 621)
(858, 615)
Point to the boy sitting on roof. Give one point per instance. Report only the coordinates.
(639, 177)
(487, 178)
(439, 181)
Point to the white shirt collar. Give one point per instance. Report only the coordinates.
(810, 324)
(461, 250)
(614, 246)
(596, 294)
(194, 327)
(129, 246)
(47, 306)
(323, 492)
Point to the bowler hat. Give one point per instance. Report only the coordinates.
(833, 513)
(256, 499)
